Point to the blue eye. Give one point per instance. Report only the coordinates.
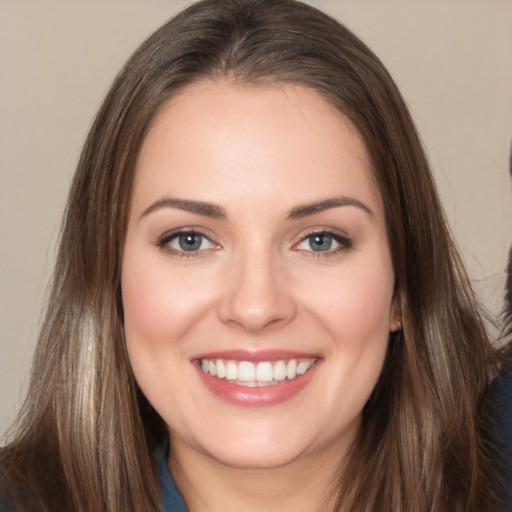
(323, 241)
(190, 241)
(320, 242)
(186, 242)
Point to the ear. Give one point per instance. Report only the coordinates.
(395, 316)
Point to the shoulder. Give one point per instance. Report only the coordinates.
(502, 397)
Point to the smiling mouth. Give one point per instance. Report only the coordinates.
(261, 374)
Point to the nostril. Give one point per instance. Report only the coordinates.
(269, 314)
(256, 296)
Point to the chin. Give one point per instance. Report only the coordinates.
(256, 457)
(267, 445)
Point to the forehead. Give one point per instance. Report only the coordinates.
(252, 141)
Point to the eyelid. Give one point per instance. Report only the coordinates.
(164, 240)
(344, 242)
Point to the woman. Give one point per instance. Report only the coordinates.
(256, 293)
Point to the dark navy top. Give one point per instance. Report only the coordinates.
(171, 498)
(502, 388)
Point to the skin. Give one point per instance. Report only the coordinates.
(256, 283)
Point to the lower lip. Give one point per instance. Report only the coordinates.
(258, 396)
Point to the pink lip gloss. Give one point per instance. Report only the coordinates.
(273, 393)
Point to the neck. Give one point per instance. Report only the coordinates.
(208, 485)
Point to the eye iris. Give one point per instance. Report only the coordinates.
(190, 241)
(320, 242)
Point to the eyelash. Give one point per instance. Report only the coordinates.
(344, 243)
(164, 243)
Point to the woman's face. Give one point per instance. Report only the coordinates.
(257, 279)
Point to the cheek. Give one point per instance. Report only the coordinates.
(147, 304)
(358, 321)
(355, 312)
(160, 309)
(354, 303)
(160, 305)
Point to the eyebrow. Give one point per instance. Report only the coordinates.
(320, 206)
(218, 212)
(199, 207)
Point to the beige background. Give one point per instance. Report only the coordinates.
(452, 60)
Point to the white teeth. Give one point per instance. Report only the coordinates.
(279, 371)
(232, 371)
(221, 369)
(291, 369)
(265, 373)
(302, 367)
(246, 371)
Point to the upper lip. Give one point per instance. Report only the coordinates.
(256, 355)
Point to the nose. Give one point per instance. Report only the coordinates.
(257, 296)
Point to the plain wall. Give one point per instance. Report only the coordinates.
(452, 59)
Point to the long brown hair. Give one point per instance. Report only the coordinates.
(85, 435)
